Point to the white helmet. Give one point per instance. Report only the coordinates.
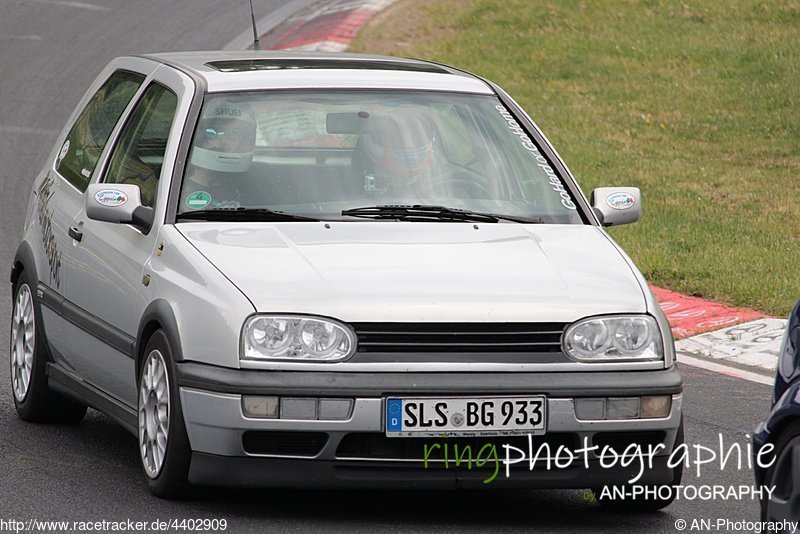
(225, 137)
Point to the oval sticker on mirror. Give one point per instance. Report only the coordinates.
(111, 198)
(64, 151)
(621, 201)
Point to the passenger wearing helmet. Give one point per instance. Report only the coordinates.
(221, 156)
(396, 158)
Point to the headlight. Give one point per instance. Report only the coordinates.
(632, 337)
(294, 337)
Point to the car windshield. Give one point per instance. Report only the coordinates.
(325, 154)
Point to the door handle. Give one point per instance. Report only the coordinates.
(74, 233)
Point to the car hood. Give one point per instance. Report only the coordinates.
(422, 272)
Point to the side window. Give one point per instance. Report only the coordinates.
(89, 135)
(139, 154)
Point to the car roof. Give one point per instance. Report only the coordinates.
(251, 70)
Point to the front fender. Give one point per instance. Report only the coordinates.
(785, 410)
(201, 310)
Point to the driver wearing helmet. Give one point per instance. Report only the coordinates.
(221, 155)
(397, 159)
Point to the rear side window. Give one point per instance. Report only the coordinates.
(89, 134)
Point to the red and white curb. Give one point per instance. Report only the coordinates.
(737, 342)
(327, 26)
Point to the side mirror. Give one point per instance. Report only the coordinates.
(617, 205)
(119, 204)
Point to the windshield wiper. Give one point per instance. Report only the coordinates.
(243, 215)
(420, 212)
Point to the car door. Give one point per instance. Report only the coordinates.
(107, 260)
(59, 194)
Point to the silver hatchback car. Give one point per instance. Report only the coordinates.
(285, 269)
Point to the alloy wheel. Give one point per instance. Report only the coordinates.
(154, 413)
(23, 337)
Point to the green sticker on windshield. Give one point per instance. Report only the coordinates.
(198, 199)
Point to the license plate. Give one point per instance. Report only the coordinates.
(482, 416)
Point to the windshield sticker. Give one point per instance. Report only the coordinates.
(527, 144)
(64, 150)
(111, 198)
(621, 201)
(86, 172)
(198, 199)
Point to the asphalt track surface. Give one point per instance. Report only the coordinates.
(50, 50)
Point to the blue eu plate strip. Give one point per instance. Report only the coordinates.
(394, 415)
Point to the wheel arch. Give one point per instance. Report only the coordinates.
(784, 417)
(158, 315)
(24, 261)
(784, 413)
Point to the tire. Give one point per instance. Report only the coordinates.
(163, 443)
(28, 356)
(783, 475)
(645, 505)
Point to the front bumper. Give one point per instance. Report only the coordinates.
(355, 453)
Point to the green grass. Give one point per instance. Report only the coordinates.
(697, 103)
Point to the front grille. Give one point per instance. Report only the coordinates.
(459, 337)
(376, 446)
(279, 443)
